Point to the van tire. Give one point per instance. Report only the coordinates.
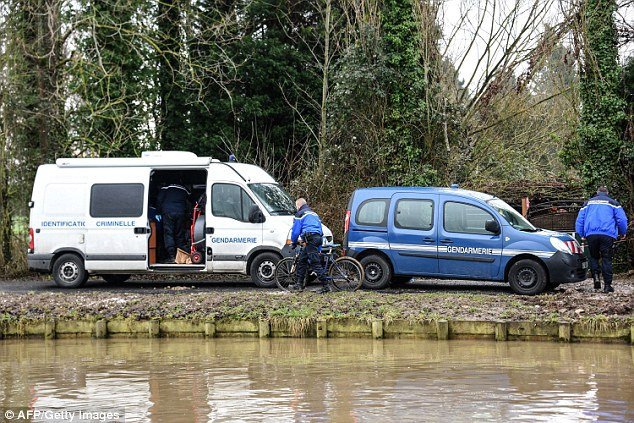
(527, 277)
(69, 271)
(377, 272)
(115, 278)
(262, 270)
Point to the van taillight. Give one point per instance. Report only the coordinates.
(574, 247)
(31, 240)
(346, 223)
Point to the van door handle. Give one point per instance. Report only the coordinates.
(428, 239)
(140, 231)
(446, 241)
(209, 231)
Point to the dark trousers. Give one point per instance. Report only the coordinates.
(309, 258)
(601, 247)
(174, 233)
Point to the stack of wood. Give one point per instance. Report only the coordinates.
(537, 191)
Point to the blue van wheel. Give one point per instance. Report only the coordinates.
(377, 272)
(527, 277)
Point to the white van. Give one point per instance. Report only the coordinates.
(97, 217)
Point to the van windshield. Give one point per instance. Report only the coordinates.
(275, 199)
(511, 215)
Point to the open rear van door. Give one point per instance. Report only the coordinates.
(117, 227)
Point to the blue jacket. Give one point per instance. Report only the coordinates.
(601, 215)
(306, 221)
(172, 199)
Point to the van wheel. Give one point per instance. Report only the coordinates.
(263, 270)
(527, 277)
(115, 278)
(69, 271)
(377, 272)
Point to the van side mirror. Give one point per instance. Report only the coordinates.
(492, 226)
(256, 215)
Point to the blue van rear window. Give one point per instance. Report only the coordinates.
(373, 212)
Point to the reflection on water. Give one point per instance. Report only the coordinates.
(173, 380)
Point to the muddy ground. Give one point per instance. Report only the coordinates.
(236, 299)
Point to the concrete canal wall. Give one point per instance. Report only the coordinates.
(619, 332)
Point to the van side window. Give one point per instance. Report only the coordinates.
(373, 213)
(116, 200)
(465, 218)
(414, 214)
(228, 200)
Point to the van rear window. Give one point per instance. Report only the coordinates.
(116, 200)
(373, 213)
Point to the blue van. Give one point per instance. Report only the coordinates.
(402, 232)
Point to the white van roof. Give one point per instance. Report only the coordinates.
(171, 159)
(148, 158)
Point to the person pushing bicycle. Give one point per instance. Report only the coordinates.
(308, 225)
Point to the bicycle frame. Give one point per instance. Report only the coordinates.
(327, 258)
(337, 268)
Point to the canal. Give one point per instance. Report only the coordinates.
(342, 380)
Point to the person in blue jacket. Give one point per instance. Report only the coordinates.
(308, 225)
(601, 221)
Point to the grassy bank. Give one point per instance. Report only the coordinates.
(573, 303)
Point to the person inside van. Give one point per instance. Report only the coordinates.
(172, 204)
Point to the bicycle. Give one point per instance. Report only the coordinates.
(346, 272)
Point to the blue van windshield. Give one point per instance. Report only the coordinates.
(274, 198)
(511, 215)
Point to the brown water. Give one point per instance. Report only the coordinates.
(342, 380)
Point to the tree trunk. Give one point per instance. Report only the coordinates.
(324, 90)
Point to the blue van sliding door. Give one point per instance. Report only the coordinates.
(413, 234)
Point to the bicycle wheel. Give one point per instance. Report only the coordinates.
(347, 274)
(285, 273)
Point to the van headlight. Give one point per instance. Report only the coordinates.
(560, 245)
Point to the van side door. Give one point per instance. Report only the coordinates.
(117, 227)
(413, 233)
(230, 235)
(465, 248)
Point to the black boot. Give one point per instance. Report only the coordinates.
(607, 288)
(325, 289)
(597, 280)
(327, 281)
(295, 287)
